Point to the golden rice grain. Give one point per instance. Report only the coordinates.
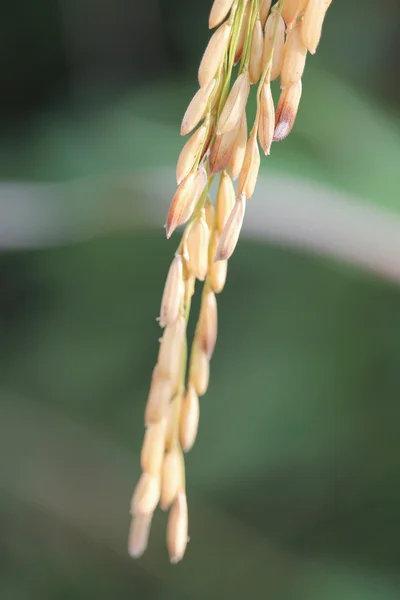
(313, 20)
(210, 215)
(189, 421)
(173, 293)
(185, 199)
(146, 495)
(251, 166)
(171, 416)
(271, 49)
(294, 57)
(222, 150)
(214, 54)
(197, 248)
(208, 324)
(139, 534)
(177, 528)
(153, 447)
(219, 10)
(266, 124)
(218, 272)
(239, 148)
(199, 372)
(286, 111)
(189, 153)
(256, 52)
(230, 235)
(235, 104)
(197, 108)
(265, 5)
(225, 200)
(160, 395)
(171, 477)
(292, 9)
(169, 356)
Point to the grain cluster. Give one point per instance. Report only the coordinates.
(253, 44)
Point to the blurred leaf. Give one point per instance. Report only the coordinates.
(339, 138)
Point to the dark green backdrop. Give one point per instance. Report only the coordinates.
(293, 484)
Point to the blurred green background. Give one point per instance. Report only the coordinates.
(294, 481)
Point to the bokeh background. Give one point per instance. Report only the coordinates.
(294, 482)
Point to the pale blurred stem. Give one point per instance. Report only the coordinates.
(255, 11)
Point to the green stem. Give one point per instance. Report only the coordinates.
(255, 13)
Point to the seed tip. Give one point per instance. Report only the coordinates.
(281, 131)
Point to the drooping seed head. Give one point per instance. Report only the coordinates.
(251, 166)
(146, 495)
(256, 52)
(230, 235)
(189, 153)
(169, 356)
(159, 397)
(139, 535)
(276, 51)
(313, 20)
(214, 54)
(185, 199)
(222, 149)
(294, 57)
(189, 421)
(266, 124)
(199, 372)
(225, 200)
(177, 528)
(286, 111)
(171, 477)
(235, 104)
(197, 108)
(219, 10)
(173, 293)
(153, 447)
(197, 248)
(208, 324)
(239, 148)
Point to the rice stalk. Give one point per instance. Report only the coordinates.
(270, 42)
